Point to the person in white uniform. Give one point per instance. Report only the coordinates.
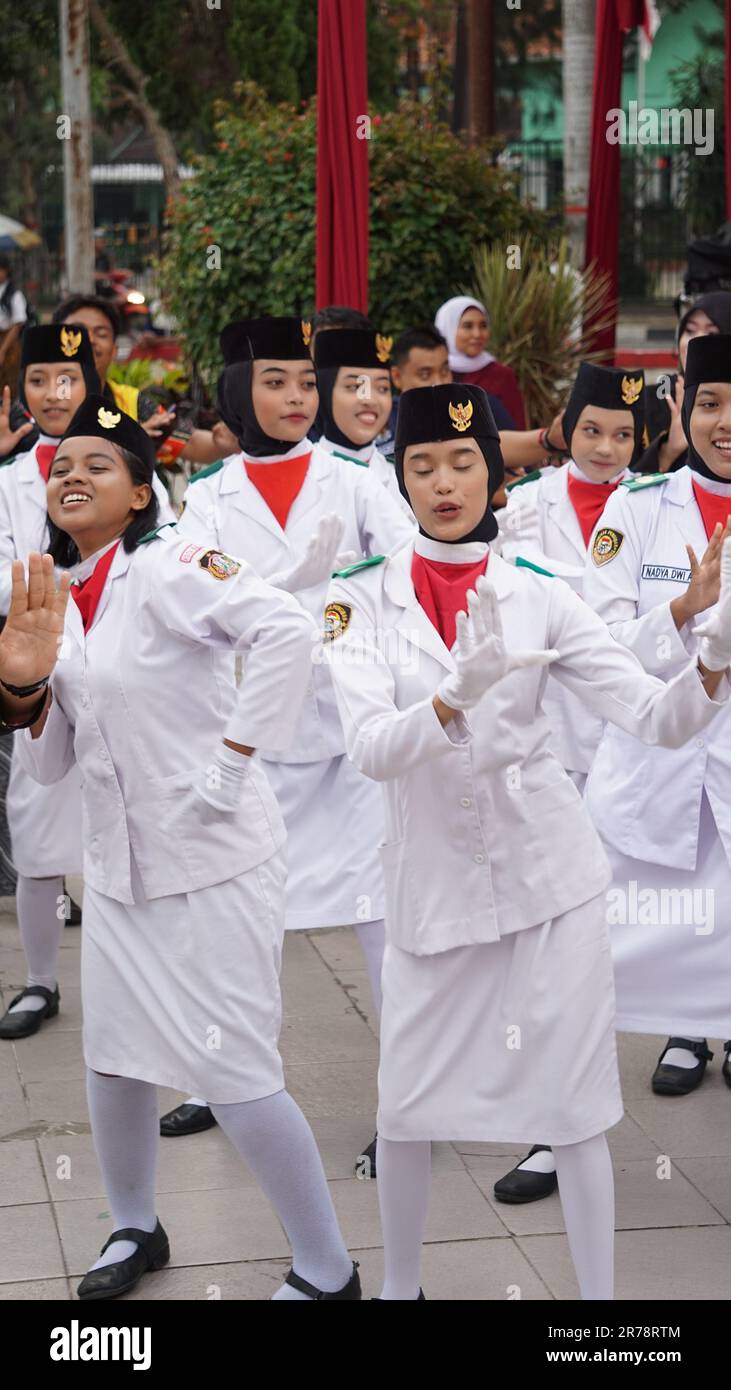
(665, 817)
(548, 523)
(290, 507)
(57, 370)
(498, 999)
(183, 841)
(354, 386)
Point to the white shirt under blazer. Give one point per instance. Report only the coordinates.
(486, 833)
(647, 801)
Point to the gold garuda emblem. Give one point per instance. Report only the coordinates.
(460, 415)
(631, 388)
(306, 332)
(107, 418)
(383, 347)
(70, 342)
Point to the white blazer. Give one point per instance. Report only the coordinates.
(140, 703)
(539, 524)
(486, 833)
(23, 517)
(647, 801)
(379, 468)
(226, 509)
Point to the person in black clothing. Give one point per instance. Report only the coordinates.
(668, 448)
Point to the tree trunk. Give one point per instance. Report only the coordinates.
(480, 69)
(76, 103)
(137, 97)
(578, 78)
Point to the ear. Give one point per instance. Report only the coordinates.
(396, 377)
(141, 497)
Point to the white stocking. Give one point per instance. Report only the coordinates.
(404, 1179)
(41, 931)
(586, 1189)
(371, 936)
(126, 1129)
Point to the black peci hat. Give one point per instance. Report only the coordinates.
(609, 388)
(430, 413)
(95, 418)
(56, 342)
(285, 339)
(709, 359)
(352, 347)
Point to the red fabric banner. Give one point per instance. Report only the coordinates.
(342, 155)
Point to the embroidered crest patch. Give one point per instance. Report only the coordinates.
(607, 544)
(219, 565)
(337, 617)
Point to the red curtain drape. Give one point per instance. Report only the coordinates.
(613, 19)
(727, 108)
(342, 155)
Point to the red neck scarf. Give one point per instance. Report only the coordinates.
(441, 589)
(88, 593)
(279, 483)
(44, 458)
(588, 501)
(713, 507)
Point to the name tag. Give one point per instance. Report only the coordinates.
(676, 574)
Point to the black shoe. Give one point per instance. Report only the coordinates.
(365, 1163)
(521, 1185)
(351, 1290)
(680, 1081)
(726, 1068)
(187, 1119)
(420, 1298)
(27, 1021)
(153, 1251)
(74, 915)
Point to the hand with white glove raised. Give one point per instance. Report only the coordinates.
(715, 632)
(319, 558)
(221, 783)
(480, 655)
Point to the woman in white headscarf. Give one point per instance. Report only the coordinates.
(465, 325)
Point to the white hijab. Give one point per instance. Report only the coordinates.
(447, 322)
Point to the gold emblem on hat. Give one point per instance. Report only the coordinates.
(306, 332)
(460, 415)
(631, 388)
(383, 347)
(107, 419)
(70, 342)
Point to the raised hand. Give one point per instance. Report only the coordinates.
(705, 578)
(715, 632)
(30, 640)
(10, 439)
(318, 561)
(481, 656)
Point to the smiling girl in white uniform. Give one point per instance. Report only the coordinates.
(498, 1000)
(183, 842)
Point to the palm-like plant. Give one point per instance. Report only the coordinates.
(536, 315)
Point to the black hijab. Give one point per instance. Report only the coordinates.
(344, 347)
(611, 388)
(428, 414)
(709, 359)
(285, 339)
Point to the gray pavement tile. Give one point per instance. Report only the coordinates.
(357, 989)
(50, 1056)
(457, 1211)
(195, 1163)
(36, 1290)
(465, 1271)
(333, 1088)
(685, 1263)
(339, 948)
(60, 1101)
(29, 1244)
(688, 1126)
(320, 1038)
(712, 1177)
(21, 1175)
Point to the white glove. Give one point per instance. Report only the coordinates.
(319, 558)
(715, 632)
(221, 783)
(481, 657)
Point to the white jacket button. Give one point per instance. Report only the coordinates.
(479, 858)
(465, 801)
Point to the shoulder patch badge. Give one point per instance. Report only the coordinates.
(219, 565)
(337, 617)
(607, 544)
(359, 565)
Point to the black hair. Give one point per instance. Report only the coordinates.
(339, 316)
(5, 264)
(71, 306)
(65, 551)
(424, 335)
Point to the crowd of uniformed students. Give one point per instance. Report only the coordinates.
(375, 675)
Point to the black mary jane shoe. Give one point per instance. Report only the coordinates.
(365, 1163)
(187, 1119)
(726, 1068)
(153, 1252)
(27, 1021)
(522, 1185)
(680, 1081)
(350, 1291)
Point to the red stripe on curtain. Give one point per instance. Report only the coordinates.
(342, 157)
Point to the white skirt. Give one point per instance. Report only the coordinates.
(334, 820)
(511, 1042)
(44, 823)
(183, 991)
(673, 974)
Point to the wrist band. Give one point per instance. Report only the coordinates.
(22, 690)
(545, 443)
(35, 713)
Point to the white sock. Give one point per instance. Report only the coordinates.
(126, 1129)
(371, 936)
(681, 1057)
(36, 901)
(586, 1189)
(194, 1100)
(275, 1140)
(542, 1162)
(404, 1178)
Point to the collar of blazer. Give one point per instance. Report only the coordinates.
(413, 623)
(235, 484)
(678, 491)
(74, 625)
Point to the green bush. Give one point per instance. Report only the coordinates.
(433, 199)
